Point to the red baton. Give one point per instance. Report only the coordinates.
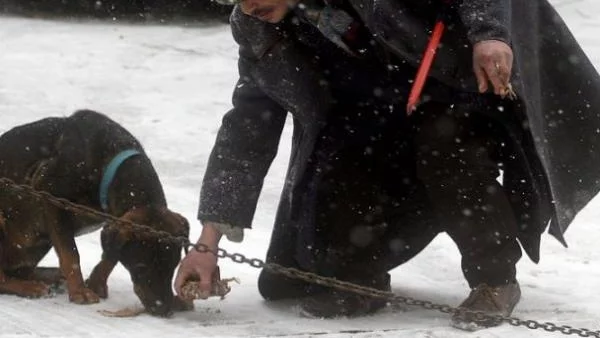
(424, 67)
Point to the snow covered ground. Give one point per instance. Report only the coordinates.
(170, 86)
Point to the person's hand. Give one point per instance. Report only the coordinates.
(492, 63)
(199, 266)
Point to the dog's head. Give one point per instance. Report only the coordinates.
(150, 259)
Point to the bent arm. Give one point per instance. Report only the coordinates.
(486, 19)
(244, 149)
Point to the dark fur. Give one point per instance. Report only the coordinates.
(67, 157)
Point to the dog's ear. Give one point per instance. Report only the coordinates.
(183, 230)
(179, 228)
(113, 239)
(183, 226)
(175, 223)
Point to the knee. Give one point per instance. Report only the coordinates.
(273, 286)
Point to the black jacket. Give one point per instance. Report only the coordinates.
(558, 106)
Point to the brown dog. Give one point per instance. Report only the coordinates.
(91, 160)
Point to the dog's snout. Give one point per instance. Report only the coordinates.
(160, 309)
(155, 303)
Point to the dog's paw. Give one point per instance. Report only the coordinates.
(83, 296)
(34, 289)
(101, 289)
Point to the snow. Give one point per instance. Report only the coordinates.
(170, 85)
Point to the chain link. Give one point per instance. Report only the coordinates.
(392, 298)
(294, 273)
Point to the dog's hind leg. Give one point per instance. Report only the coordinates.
(49, 275)
(23, 288)
(15, 286)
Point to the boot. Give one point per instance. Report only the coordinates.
(335, 303)
(499, 300)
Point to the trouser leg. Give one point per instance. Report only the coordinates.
(372, 214)
(455, 162)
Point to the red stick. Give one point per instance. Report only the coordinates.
(424, 67)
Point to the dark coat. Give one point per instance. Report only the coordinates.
(552, 179)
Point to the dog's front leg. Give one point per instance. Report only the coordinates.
(63, 240)
(99, 277)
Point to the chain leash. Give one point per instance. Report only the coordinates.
(390, 296)
(8, 184)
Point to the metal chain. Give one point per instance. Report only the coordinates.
(78, 209)
(390, 296)
(294, 273)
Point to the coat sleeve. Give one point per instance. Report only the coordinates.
(245, 146)
(486, 19)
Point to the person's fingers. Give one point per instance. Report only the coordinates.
(198, 267)
(508, 61)
(496, 72)
(492, 63)
(482, 80)
(206, 280)
(181, 277)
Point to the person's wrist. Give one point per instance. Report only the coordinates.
(210, 236)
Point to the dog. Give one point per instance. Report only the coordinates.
(91, 160)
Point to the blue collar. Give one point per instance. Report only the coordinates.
(109, 174)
